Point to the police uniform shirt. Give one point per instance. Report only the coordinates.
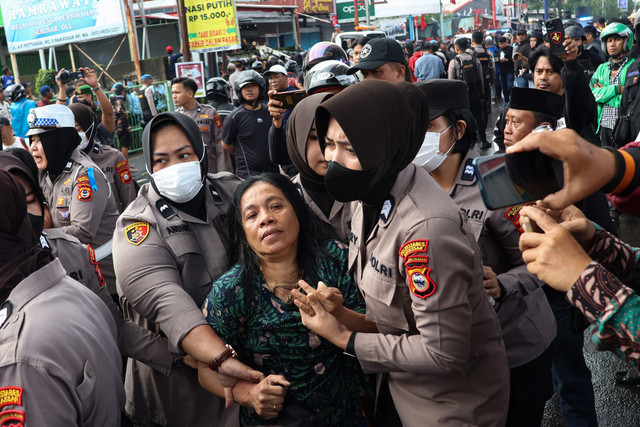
(527, 322)
(177, 258)
(79, 261)
(59, 361)
(421, 276)
(210, 125)
(116, 168)
(81, 204)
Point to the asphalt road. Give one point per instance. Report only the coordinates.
(616, 405)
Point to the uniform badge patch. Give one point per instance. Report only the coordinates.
(204, 116)
(513, 215)
(122, 167)
(204, 128)
(10, 396)
(414, 254)
(136, 232)
(94, 262)
(84, 188)
(216, 118)
(12, 418)
(60, 201)
(64, 214)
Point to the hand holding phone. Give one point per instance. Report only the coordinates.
(555, 30)
(289, 99)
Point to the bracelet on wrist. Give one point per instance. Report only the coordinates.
(217, 361)
(96, 88)
(625, 170)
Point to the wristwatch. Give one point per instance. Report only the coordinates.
(96, 88)
(217, 361)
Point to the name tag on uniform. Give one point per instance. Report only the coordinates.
(562, 123)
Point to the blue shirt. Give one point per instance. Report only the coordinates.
(428, 66)
(19, 111)
(8, 80)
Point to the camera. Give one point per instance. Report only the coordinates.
(67, 76)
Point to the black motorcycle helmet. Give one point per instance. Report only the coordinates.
(328, 75)
(218, 88)
(15, 92)
(575, 31)
(246, 77)
(257, 66)
(291, 65)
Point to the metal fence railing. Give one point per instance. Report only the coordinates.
(164, 102)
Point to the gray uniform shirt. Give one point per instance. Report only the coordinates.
(421, 276)
(210, 125)
(177, 258)
(79, 262)
(80, 210)
(527, 322)
(59, 362)
(116, 169)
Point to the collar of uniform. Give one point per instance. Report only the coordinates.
(335, 208)
(466, 175)
(210, 206)
(400, 188)
(39, 281)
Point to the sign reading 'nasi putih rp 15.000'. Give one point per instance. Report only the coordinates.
(212, 25)
(39, 24)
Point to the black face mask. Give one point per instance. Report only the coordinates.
(37, 223)
(346, 185)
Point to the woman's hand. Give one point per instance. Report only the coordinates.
(490, 282)
(267, 397)
(331, 298)
(319, 320)
(573, 220)
(555, 257)
(230, 372)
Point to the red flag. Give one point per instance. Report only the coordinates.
(453, 1)
(423, 23)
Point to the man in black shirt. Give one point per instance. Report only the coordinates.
(245, 131)
(505, 59)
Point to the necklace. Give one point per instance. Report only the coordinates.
(287, 287)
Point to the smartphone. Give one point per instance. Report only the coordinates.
(290, 99)
(517, 178)
(555, 30)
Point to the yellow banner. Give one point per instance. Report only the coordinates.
(212, 25)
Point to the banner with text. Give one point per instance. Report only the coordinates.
(39, 24)
(212, 25)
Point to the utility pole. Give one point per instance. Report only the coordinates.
(184, 33)
(133, 46)
(441, 20)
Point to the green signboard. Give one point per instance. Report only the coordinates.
(345, 9)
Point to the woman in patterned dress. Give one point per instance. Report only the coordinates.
(308, 381)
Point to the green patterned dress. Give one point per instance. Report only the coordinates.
(269, 336)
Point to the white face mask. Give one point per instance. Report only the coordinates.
(180, 182)
(429, 156)
(84, 140)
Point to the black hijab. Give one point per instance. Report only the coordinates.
(87, 120)
(385, 123)
(195, 206)
(58, 144)
(299, 126)
(20, 254)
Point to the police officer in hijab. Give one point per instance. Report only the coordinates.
(175, 231)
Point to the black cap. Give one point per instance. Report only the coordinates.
(4, 122)
(378, 52)
(444, 94)
(519, 31)
(536, 100)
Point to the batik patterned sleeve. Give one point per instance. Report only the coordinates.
(616, 256)
(224, 306)
(613, 308)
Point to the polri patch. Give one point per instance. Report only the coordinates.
(216, 118)
(84, 188)
(10, 396)
(513, 215)
(136, 232)
(122, 167)
(414, 254)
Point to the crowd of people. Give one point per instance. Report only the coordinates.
(312, 247)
